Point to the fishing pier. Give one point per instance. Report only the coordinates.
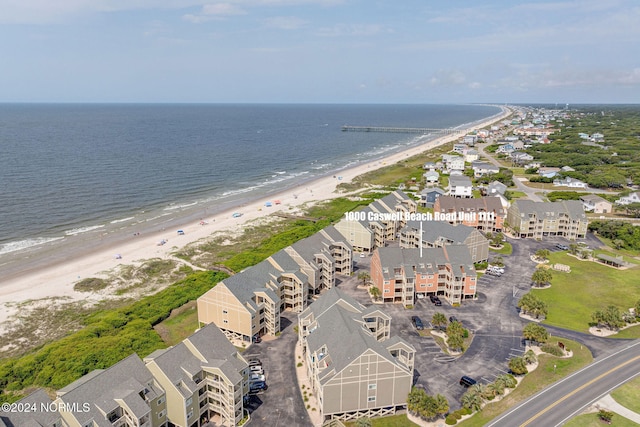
(423, 131)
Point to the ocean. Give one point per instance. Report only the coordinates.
(72, 172)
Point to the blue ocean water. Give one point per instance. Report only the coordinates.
(68, 170)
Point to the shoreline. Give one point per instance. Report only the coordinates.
(55, 274)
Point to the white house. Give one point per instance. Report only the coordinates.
(483, 168)
(453, 162)
(431, 177)
(596, 204)
(460, 186)
(471, 156)
(470, 140)
(631, 198)
(460, 148)
(569, 182)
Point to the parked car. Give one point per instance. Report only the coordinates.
(256, 369)
(562, 247)
(434, 299)
(256, 378)
(453, 319)
(255, 362)
(257, 386)
(496, 269)
(257, 339)
(467, 381)
(417, 322)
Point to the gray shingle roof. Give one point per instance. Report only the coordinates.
(433, 231)
(36, 418)
(572, 208)
(457, 256)
(483, 204)
(128, 380)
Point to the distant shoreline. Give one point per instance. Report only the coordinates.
(53, 271)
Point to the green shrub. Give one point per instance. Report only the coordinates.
(552, 349)
(450, 420)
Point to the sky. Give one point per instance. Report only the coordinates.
(320, 51)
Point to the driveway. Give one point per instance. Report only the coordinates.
(281, 404)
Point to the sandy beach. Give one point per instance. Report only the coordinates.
(58, 280)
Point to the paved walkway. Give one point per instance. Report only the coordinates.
(609, 403)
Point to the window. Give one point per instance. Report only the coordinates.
(225, 321)
(162, 413)
(386, 291)
(372, 386)
(160, 401)
(190, 414)
(371, 399)
(189, 401)
(225, 312)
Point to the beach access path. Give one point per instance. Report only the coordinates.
(58, 280)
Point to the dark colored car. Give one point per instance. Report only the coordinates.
(433, 298)
(257, 339)
(417, 322)
(438, 302)
(257, 386)
(467, 381)
(255, 362)
(453, 319)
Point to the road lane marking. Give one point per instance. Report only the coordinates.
(582, 387)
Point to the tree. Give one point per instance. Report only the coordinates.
(531, 304)
(438, 320)
(455, 336)
(541, 277)
(535, 332)
(498, 261)
(473, 398)
(573, 249)
(605, 415)
(363, 422)
(508, 380)
(518, 366)
(364, 276)
(530, 357)
(493, 389)
(375, 293)
(496, 239)
(542, 254)
(428, 407)
(610, 318)
(633, 209)
(618, 244)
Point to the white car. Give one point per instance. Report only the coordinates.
(256, 377)
(256, 370)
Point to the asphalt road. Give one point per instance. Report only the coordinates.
(556, 404)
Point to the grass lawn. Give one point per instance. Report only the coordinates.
(592, 420)
(535, 381)
(629, 333)
(590, 286)
(628, 395)
(506, 249)
(515, 194)
(177, 327)
(390, 421)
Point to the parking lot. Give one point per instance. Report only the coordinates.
(492, 318)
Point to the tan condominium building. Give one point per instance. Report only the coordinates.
(402, 274)
(436, 234)
(379, 222)
(537, 220)
(355, 367)
(124, 395)
(37, 410)
(205, 379)
(484, 213)
(249, 303)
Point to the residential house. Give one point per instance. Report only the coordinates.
(470, 140)
(596, 204)
(471, 156)
(123, 395)
(431, 177)
(567, 169)
(520, 157)
(355, 367)
(485, 213)
(460, 186)
(460, 148)
(37, 410)
(483, 168)
(205, 378)
(495, 188)
(436, 234)
(401, 274)
(631, 198)
(569, 182)
(452, 163)
(429, 166)
(484, 133)
(548, 172)
(429, 196)
(536, 220)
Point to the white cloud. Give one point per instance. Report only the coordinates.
(342, 30)
(284, 22)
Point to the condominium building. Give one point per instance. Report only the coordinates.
(378, 223)
(402, 274)
(540, 219)
(124, 395)
(249, 303)
(355, 367)
(37, 410)
(484, 213)
(436, 234)
(205, 378)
